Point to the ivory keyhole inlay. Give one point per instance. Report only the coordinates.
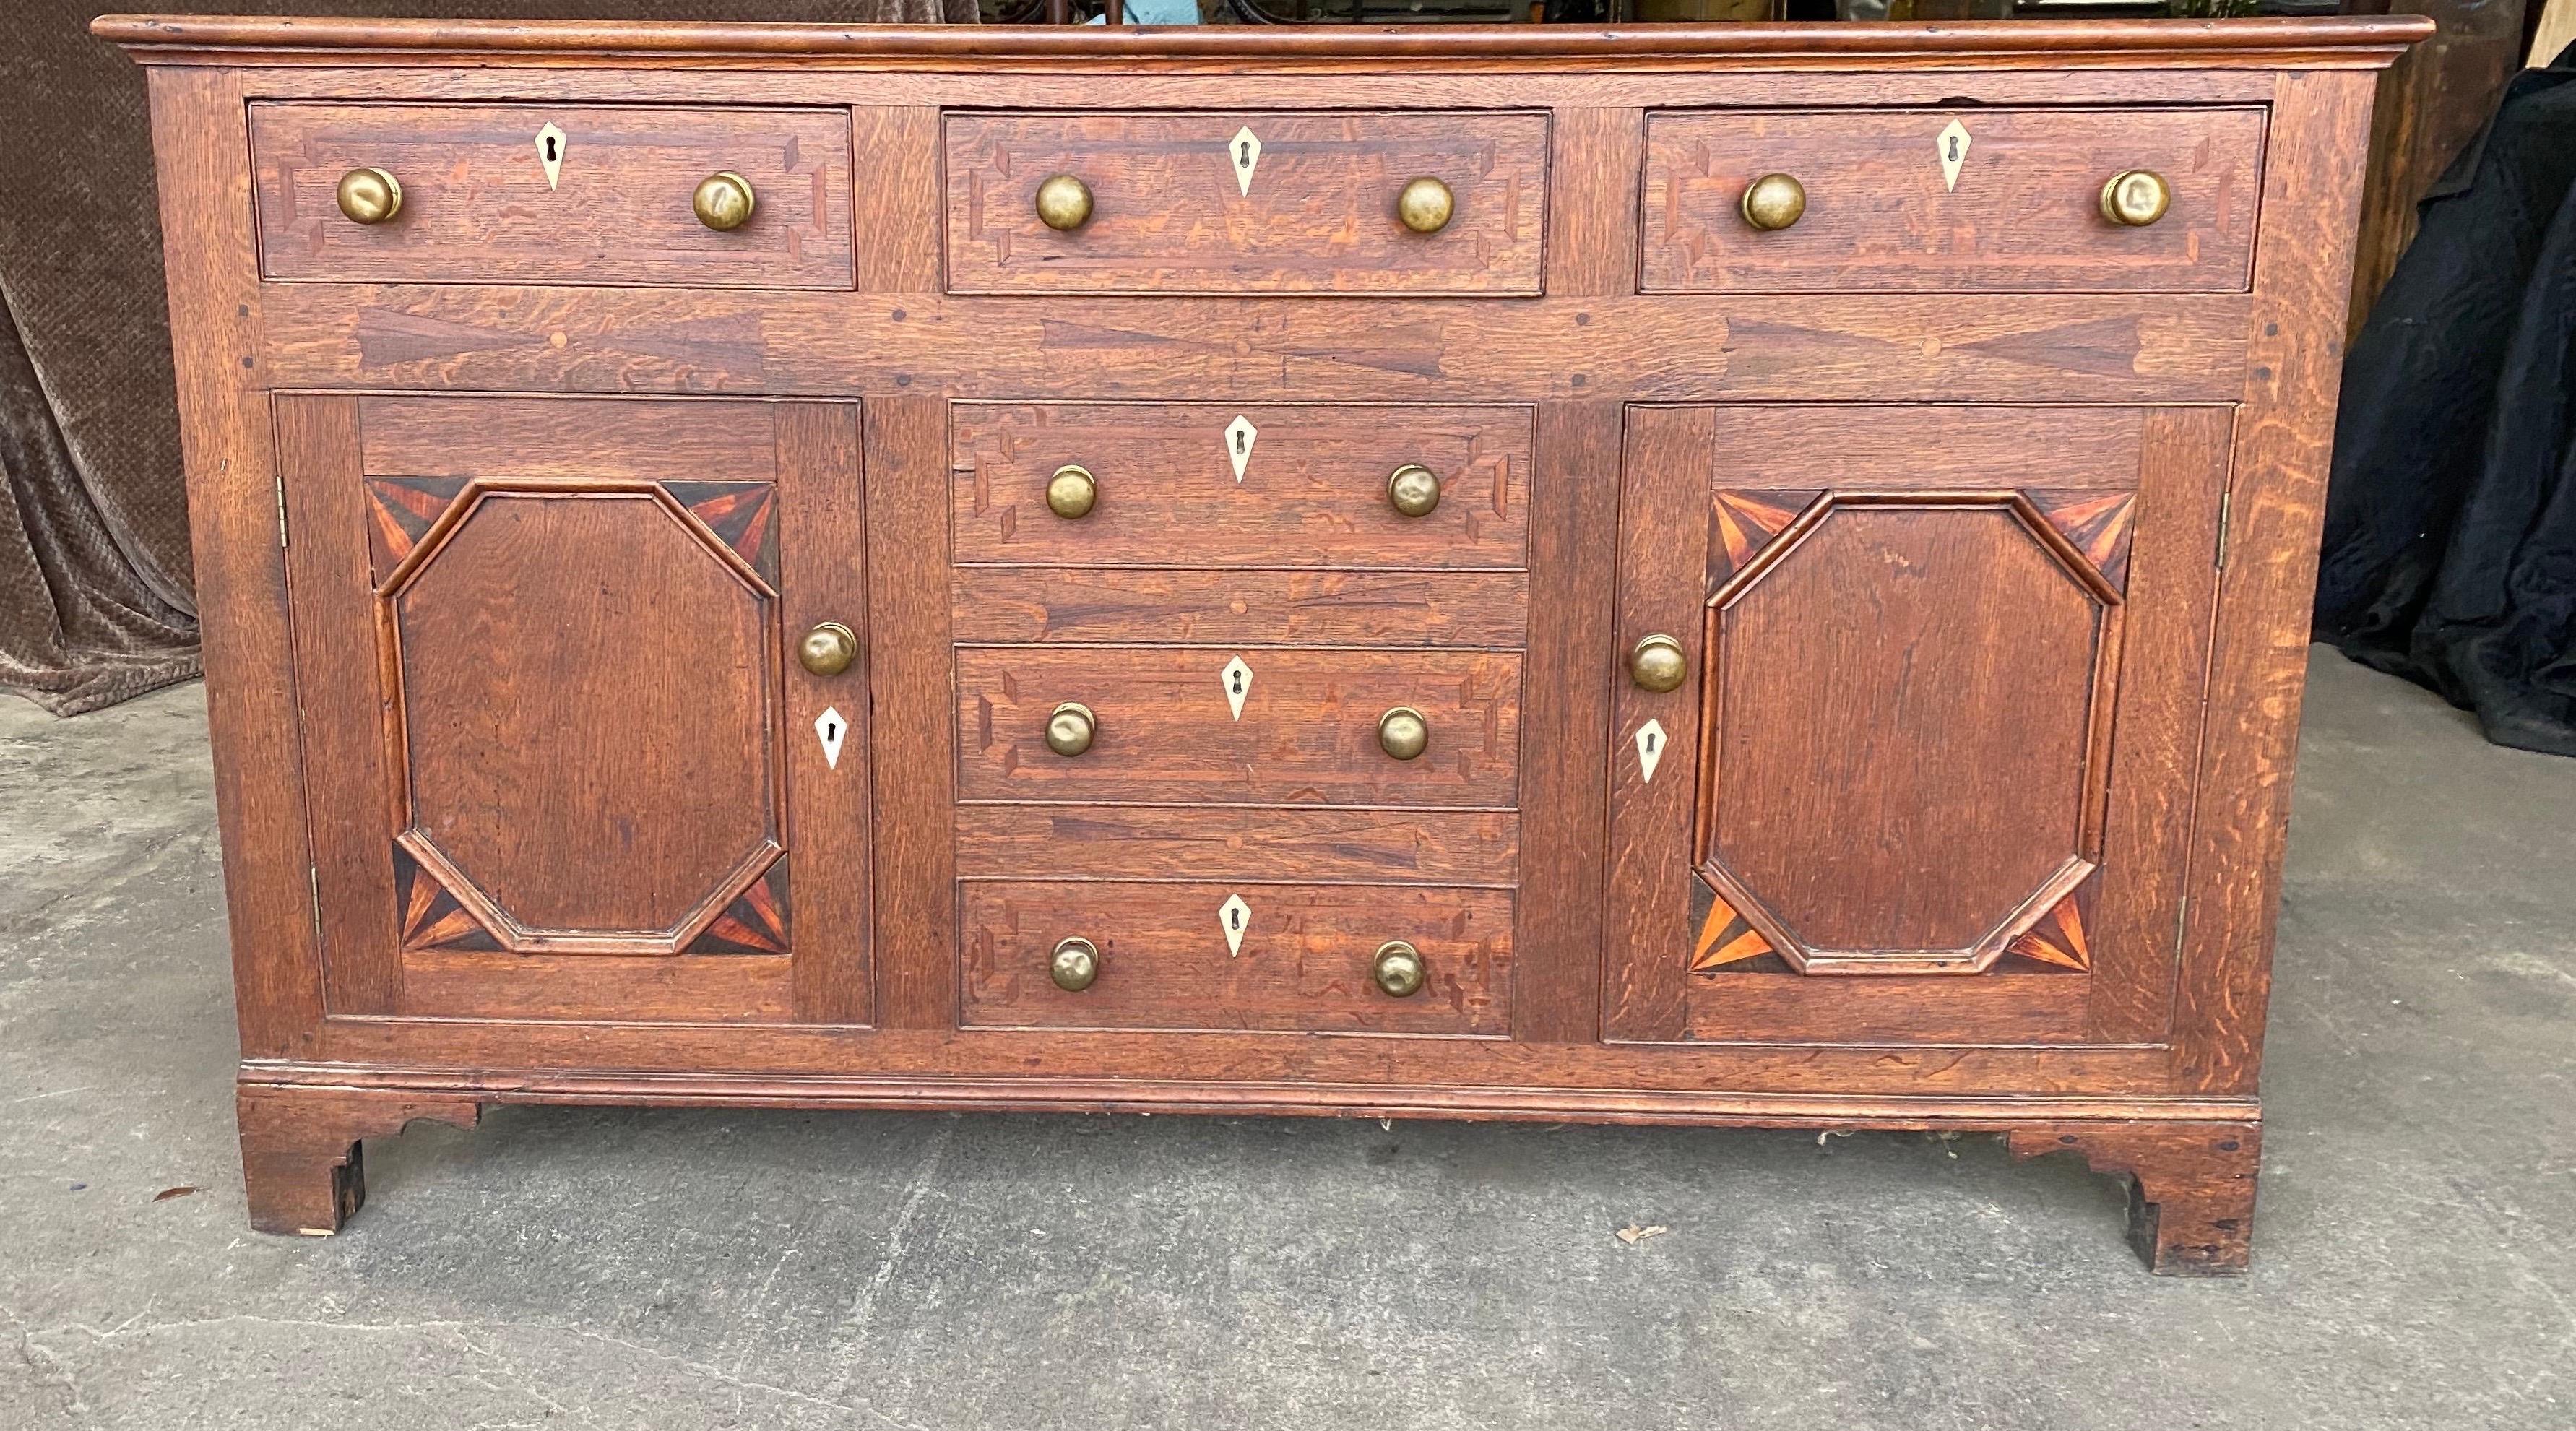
(1238, 684)
(1244, 149)
(1650, 749)
(1234, 916)
(1240, 434)
(831, 729)
(550, 153)
(1954, 142)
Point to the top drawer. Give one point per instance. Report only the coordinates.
(1949, 200)
(481, 204)
(1246, 203)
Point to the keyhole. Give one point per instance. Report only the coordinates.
(1234, 919)
(1954, 149)
(831, 730)
(1238, 683)
(1238, 442)
(1650, 742)
(1243, 155)
(550, 146)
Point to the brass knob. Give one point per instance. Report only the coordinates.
(724, 201)
(1657, 664)
(1774, 202)
(828, 649)
(1403, 733)
(1398, 970)
(1069, 729)
(2136, 198)
(1425, 206)
(1064, 203)
(1075, 964)
(369, 196)
(1071, 491)
(1413, 489)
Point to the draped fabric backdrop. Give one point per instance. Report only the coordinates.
(96, 598)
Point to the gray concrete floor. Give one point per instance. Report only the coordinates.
(671, 1270)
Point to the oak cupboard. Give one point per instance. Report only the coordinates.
(1746, 576)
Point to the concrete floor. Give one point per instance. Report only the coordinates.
(671, 1270)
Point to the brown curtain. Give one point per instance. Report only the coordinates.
(97, 603)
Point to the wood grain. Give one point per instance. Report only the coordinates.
(1451, 847)
(912, 730)
(1240, 606)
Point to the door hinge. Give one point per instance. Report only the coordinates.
(2226, 514)
(2182, 920)
(313, 881)
(281, 509)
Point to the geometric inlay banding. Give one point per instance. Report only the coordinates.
(755, 923)
(2096, 524)
(1743, 523)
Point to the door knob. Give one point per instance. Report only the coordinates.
(1413, 489)
(1403, 733)
(1425, 206)
(724, 201)
(1774, 202)
(1072, 491)
(828, 649)
(2136, 198)
(1064, 203)
(1657, 664)
(369, 196)
(1075, 963)
(1398, 969)
(1069, 729)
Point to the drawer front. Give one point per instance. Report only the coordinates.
(479, 205)
(1242, 202)
(1165, 728)
(1304, 963)
(1886, 208)
(1193, 484)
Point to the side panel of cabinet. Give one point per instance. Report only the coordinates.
(1929, 777)
(560, 762)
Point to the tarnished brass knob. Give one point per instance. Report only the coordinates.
(724, 201)
(1403, 733)
(369, 196)
(828, 649)
(2136, 198)
(1413, 489)
(1064, 203)
(1425, 206)
(1071, 491)
(1774, 202)
(1069, 729)
(1657, 664)
(1075, 964)
(1398, 970)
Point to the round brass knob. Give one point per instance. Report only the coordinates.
(1071, 491)
(369, 196)
(1774, 202)
(1413, 489)
(1425, 206)
(1064, 203)
(1398, 970)
(828, 649)
(1657, 664)
(1069, 729)
(1403, 733)
(2136, 198)
(724, 201)
(1075, 964)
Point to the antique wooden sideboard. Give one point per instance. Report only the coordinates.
(1748, 576)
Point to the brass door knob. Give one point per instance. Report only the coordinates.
(1657, 664)
(1064, 203)
(1413, 489)
(1075, 963)
(369, 196)
(2136, 198)
(1774, 202)
(1425, 205)
(1403, 733)
(828, 649)
(1072, 491)
(1398, 970)
(724, 201)
(1069, 730)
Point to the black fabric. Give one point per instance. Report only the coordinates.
(2450, 539)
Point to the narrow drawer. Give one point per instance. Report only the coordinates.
(1306, 961)
(1246, 202)
(1164, 727)
(1888, 209)
(479, 205)
(1202, 484)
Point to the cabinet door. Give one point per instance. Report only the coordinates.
(1929, 773)
(561, 760)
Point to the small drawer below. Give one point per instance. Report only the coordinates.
(1306, 961)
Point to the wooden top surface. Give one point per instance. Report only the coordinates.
(2306, 43)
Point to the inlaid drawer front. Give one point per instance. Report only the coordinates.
(1362, 958)
(1246, 202)
(1254, 726)
(1950, 199)
(473, 193)
(1194, 484)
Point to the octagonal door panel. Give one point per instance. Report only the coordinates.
(559, 761)
(1929, 777)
